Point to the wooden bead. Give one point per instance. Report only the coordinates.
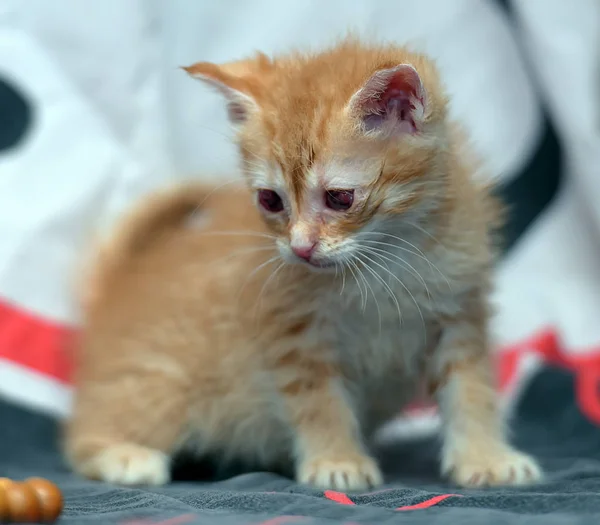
(34, 500)
(5, 482)
(3, 505)
(23, 505)
(49, 497)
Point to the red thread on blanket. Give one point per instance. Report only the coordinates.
(338, 497)
(177, 520)
(280, 520)
(429, 502)
(343, 499)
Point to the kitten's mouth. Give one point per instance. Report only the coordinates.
(320, 265)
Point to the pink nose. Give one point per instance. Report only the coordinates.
(304, 251)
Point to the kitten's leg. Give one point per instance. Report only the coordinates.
(475, 450)
(328, 444)
(124, 430)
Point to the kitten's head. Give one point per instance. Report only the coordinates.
(335, 144)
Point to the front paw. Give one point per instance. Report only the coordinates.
(128, 464)
(504, 466)
(340, 473)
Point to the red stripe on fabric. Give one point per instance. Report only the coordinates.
(338, 497)
(585, 367)
(544, 343)
(35, 343)
(587, 391)
(429, 502)
(43, 346)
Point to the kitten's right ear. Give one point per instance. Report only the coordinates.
(392, 101)
(228, 80)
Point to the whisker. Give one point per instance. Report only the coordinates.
(366, 283)
(257, 269)
(363, 297)
(423, 257)
(386, 285)
(340, 267)
(403, 286)
(392, 245)
(239, 234)
(354, 275)
(377, 252)
(214, 190)
(244, 251)
(384, 234)
(264, 286)
(374, 296)
(423, 230)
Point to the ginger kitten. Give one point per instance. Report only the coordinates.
(301, 313)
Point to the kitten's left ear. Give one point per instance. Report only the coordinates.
(392, 101)
(232, 82)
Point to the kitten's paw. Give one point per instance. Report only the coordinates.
(352, 473)
(504, 467)
(129, 464)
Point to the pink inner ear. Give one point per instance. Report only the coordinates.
(391, 96)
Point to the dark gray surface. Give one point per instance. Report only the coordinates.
(548, 424)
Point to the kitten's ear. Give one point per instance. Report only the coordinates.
(392, 101)
(230, 81)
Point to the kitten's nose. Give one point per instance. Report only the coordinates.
(304, 251)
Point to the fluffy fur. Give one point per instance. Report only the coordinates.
(217, 337)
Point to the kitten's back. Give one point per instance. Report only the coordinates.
(168, 213)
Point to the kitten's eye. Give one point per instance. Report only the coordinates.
(339, 200)
(270, 201)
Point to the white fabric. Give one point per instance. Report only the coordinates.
(114, 117)
(553, 278)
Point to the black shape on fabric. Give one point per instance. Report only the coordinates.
(15, 115)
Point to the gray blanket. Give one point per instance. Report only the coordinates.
(547, 424)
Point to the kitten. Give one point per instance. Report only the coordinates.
(304, 311)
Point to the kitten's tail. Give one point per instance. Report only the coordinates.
(151, 218)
